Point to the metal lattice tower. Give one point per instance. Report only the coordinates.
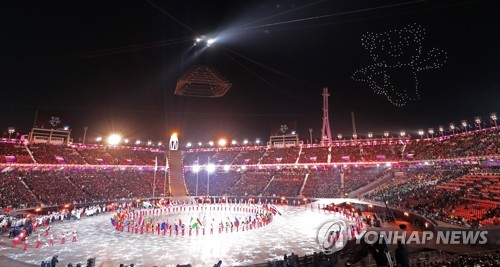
(326, 134)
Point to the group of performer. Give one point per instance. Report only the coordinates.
(22, 238)
(145, 221)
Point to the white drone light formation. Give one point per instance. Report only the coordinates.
(398, 56)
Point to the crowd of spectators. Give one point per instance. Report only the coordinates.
(285, 184)
(251, 184)
(125, 156)
(442, 194)
(52, 187)
(314, 155)
(280, 155)
(476, 143)
(55, 154)
(13, 193)
(17, 152)
(250, 156)
(323, 183)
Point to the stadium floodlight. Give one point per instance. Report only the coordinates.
(339, 136)
(211, 143)
(160, 143)
(354, 136)
(188, 145)
(11, 130)
(441, 128)
(257, 141)
(222, 142)
(200, 143)
(465, 125)
(114, 139)
(493, 117)
(402, 133)
(196, 168)
(370, 135)
(149, 143)
(245, 142)
(234, 142)
(125, 141)
(477, 120)
(138, 142)
(431, 132)
(421, 133)
(98, 139)
(452, 126)
(386, 133)
(226, 168)
(66, 128)
(210, 168)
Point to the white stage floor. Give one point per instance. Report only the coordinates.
(294, 231)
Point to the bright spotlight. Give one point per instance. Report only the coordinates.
(244, 167)
(98, 139)
(245, 142)
(196, 168)
(160, 143)
(114, 139)
(149, 143)
(222, 142)
(126, 141)
(234, 142)
(138, 142)
(257, 141)
(226, 168)
(210, 168)
(189, 144)
(210, 41)
(211, 143)
(66, 128)
(200, 144)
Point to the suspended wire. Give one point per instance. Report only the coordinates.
(106, 52)
(268, 82)
(282, 13)
(364, 19)
(172, 17)
(333, 14)
(269, 68)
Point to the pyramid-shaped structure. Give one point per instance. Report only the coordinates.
(202, 81)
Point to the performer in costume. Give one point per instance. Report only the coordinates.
(51, 240)
(63, 238)
(39, 240)
(74, 236)
(25, 244)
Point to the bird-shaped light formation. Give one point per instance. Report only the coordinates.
(398, 56)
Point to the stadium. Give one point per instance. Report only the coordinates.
(438, 183)
(192, 133)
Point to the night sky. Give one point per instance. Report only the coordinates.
(113, 66)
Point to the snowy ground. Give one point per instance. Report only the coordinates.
(294, 231)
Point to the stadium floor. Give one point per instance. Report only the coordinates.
(293, 231)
